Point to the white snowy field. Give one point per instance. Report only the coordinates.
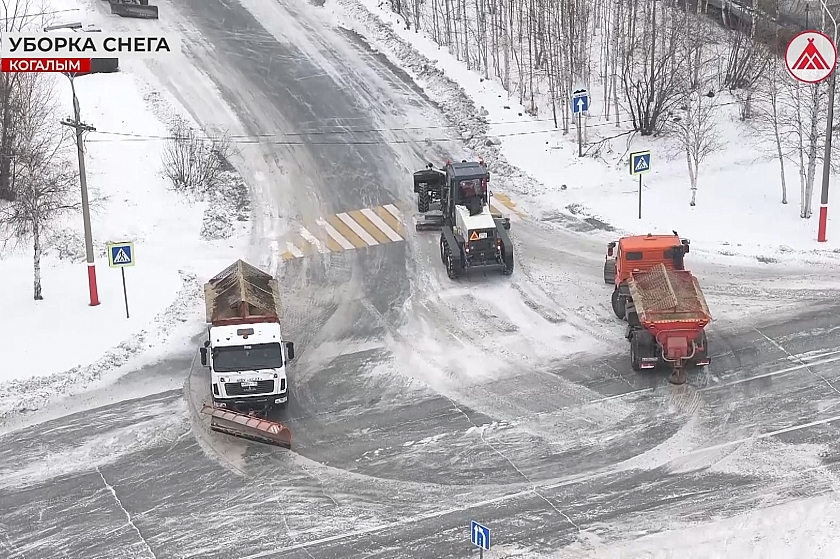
(63, 333)
(738, 212)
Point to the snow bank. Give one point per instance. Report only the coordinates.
(738, 208)
(61, 343)
(136, 205)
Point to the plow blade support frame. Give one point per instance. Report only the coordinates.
(139, 11)
(248, 427)
(429, 222)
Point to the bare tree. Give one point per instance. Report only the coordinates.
(651, 69)
(193, 163)
(15, 16)
(43, 177)
(698, 133)
(773, 120)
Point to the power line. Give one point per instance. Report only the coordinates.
(275, 138)
(280, 138)
(40, 14)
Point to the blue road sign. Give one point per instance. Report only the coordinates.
(479, 535)
(639, 162)
(121, 254)
(580, 101)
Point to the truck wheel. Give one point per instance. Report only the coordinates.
(423, 199)
(443, 249)
(619, 304)
(508, 269)
(609, 272)
(452, 265)
(451, 270)
(635, 361)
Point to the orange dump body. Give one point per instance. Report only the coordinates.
(671, 306)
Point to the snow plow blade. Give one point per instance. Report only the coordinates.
(140, 11)
(248, 427)
(429, 222)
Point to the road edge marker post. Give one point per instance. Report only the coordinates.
(639, 165)
(121, 255)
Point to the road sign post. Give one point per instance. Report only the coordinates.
(580, 105)
(811, 57)
(639, 165)
(121, 255)
(480, 537)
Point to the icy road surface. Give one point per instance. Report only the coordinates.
(418, 403)
(403, 476)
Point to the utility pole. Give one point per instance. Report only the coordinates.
(829, 130)
(80, 129)
(823, 224)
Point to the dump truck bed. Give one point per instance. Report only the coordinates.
(661, 295)
(241, 291)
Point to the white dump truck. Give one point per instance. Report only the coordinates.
(245, 350)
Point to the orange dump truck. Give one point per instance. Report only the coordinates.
(661, 301)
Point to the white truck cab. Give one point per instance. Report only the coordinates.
(247, 364)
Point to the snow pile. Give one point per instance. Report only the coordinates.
(589, 194)
(135, 205)
(30, 394)
(228, 205)
(62, 344)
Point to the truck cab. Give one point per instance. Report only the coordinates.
(248, 365)
(637, 254)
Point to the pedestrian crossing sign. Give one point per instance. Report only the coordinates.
(121, 255)
(639, 162)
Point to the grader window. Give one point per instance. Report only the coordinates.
(470, 188)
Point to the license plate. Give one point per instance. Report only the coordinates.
(482, 235)
(248, 383)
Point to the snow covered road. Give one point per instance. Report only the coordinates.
(417, 403)
(404, 475)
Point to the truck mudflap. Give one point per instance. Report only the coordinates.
(248, 427)
(139, 10)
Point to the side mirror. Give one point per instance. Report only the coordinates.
(490, 193)
(203, 352)
(290, 350)
(207, 343)
(609, 251)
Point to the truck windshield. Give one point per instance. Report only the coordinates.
(247, 358)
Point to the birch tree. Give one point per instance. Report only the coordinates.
(43, 177)
(697, 130)
(15, 16)
(773, 119)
